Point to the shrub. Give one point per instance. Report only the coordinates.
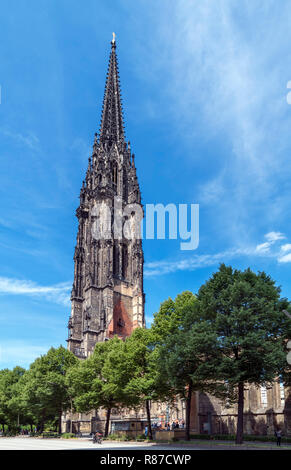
(11, 433)
(119, 437)
(200, 436)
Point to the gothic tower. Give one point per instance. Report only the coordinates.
(107, 295)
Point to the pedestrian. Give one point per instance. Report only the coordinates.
(146, 431)
(278, 434)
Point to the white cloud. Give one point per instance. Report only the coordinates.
(285, 258)
(58, 293)
(191, 263)
(267, 249)
(286, 247)
(263, 247)
(274, 236)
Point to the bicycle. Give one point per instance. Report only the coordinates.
(97, 439)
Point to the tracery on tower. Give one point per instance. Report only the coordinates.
(107, 295)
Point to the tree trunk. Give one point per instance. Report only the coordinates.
(42, 421)
(107, 421)
(150, 433)
(240, 414)
(188, 411)
(71, 420)
(60, 422)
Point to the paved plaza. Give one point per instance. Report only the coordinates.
(29, 443)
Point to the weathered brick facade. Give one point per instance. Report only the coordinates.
(265, 409)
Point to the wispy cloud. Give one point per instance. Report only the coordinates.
(193, 262)
(226, 79)
(269, 249)
(30, 140)
(58, 293)
(272, 238)
(81, 148)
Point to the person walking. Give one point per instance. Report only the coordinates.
(278, 434)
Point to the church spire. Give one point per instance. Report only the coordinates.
(112, 128)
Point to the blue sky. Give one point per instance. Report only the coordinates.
(204, 89)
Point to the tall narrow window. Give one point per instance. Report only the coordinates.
(124, 261)
(114, 174)
(282, 394)
(115, 260)
(125, 185)
(264, 398)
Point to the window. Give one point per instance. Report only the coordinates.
(125, 185)
(114, 174)
(124, 261)
(282, 394)
(264, 398)
(115, 260)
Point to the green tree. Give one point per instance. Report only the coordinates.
(99, 381)
(145, 382)
(168, 319)
(10, 413)
(185, 343)
(244, 312)
(46, 391)
(178, 360)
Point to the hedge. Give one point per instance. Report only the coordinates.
(246, 437)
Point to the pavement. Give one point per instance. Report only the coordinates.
(32, 443)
